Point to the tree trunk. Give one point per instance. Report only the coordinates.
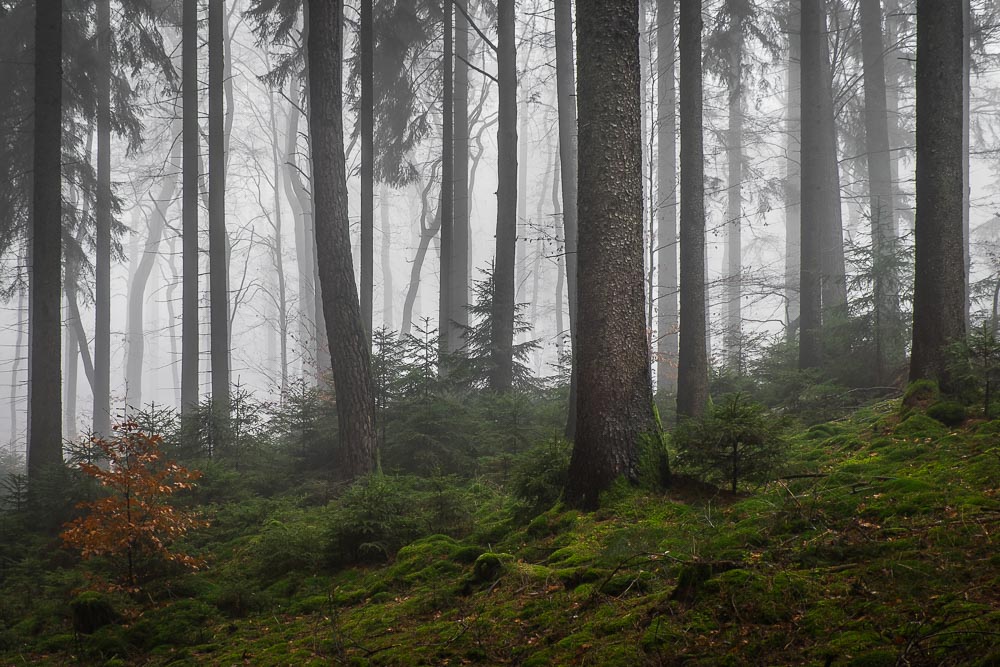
(793, 172)
(427, 232)
(734, 197)
(502, 320)
(278, 247)
(939, 270)
(217, 238)
(566, 94)
(692, 366)
(45, 321)
(366, 118)
(386, 259)
(135, 335)
(189, 227)
(615, 401)
(102, 214)
(834, 273)
(814, 208)
(966, 136)
(459, 299)
(880, 188)
(349, 342)
(446, 329)
(666, 204)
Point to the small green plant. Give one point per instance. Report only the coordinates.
(738, 440)
(975, 362)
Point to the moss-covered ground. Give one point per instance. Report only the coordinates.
(880, 545)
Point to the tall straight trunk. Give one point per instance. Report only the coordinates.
(15, 368)
(348, 340)
(558, 235)
(880, 187)
(966, 136)
(734, 197)
(175, 350)
(45, 321)
(692, 363)
(71, 357)
(793, 171)
(521, 250)
(135, 335)
(833, 267)
(366, 118)
(896, 66)
(459, 299)
(814, 207)
(615, 399)
(446, 328)
(666, 198)
(217, 240)
(189, 226)
(386, 259)
(502, 320)
(566, 96)
(102, 214)
(278, 247)
(939, 271)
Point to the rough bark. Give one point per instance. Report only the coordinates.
(102, 215)
(349, 342)
(813, 207)
(446, 333)
(45, 322)
(217, 239)
(692, 363)
(939, 271)
(502, 320)
(734, 203)
(189, 225)
(666, 199)
(366, 118)
(614, 396)
(461, 216)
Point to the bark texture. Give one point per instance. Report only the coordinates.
(666, 199)
(189, 226)
(102, 211)
(217, 241)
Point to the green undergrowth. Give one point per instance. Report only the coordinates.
(877, 546)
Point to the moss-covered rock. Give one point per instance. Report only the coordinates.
(490, 566)
(949, 413)
(92, 611)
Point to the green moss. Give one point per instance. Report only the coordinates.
(490, 566)
(92, 611)
(920, 393)
(920, 426)
(949, 413)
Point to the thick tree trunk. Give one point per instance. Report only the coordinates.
(566, 95)
(615, 401)
(734, 200)
(793, 172)
(692, 366)
(966, 164)
(502, 320)
(189, 227)
(459, 299)
(666, 199)
(102, 213)
(135, 338)
(939, 271)
(880, 188)
(217, 238)
(366, 118)
(349, 342)
(814, 208)
(446, 328)
(45, 322)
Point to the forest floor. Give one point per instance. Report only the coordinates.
(880, 545)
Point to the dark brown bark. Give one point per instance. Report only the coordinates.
(217, 240)
(566, 100)
(191, 168)
(814, 207)
(45, 322)
(366, 117)
(793, 156)
(692, 364)
(349, 342)
(939, 271)
(666, 199)
(502, 339)
(102, 215)
(614, 396)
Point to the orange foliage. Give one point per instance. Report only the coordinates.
(134, 523)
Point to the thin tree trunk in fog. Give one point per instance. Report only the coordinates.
(217, 238)
(386, 259)
(175, 350)
(15, 368)
(734, 201)
(459, 299)
(446, 329)
(536, 261)
(832, 263)
(692, 364)
(939, 268)
(45, 322)
(366, 119)
(427, 233)
(880, 188)
(566, 93)
(102, 211)
(189, 228)
(896, 66)
(521, 250)
(135, 335)
(666, 198)
(502, 320)
(278, 246)
(348, 340)
(615, 400)
(71, 357)
(558, 235)
(793, 171)
(814, 208)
